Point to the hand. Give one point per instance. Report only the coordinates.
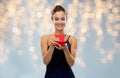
(53, 41)
(58, 46)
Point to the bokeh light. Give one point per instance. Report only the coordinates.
(96, 24)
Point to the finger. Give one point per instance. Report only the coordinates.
(60, 48)
(57, 39)
(58, 44)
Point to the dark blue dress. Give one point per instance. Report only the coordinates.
(58, 66)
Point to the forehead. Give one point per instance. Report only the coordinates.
(59, 14)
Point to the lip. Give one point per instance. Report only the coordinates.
(59, 26)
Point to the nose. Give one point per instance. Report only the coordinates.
(60, 21)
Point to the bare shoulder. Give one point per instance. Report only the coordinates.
(44, 36)
(73, 38)
(73, 41)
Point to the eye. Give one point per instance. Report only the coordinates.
(56, 19)
(63, 19)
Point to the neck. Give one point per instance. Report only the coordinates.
(59, 32)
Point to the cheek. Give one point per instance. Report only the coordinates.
(64, 22)
(55, 22)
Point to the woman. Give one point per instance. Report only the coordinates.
(58, 58)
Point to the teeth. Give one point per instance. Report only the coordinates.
(59, 26)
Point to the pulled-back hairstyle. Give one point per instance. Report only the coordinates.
(56, 9)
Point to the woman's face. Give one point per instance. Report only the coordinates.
(59, 20)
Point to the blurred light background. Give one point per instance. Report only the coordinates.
(96, 23)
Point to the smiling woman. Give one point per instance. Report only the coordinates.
(59, 17)
(59, 58)
(96, 24)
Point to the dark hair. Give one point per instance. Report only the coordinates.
(56, 9)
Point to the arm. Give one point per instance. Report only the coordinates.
(70, 57)
(46, 53)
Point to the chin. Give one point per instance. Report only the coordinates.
(60, 28)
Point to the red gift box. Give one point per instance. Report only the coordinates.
(61, 39)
